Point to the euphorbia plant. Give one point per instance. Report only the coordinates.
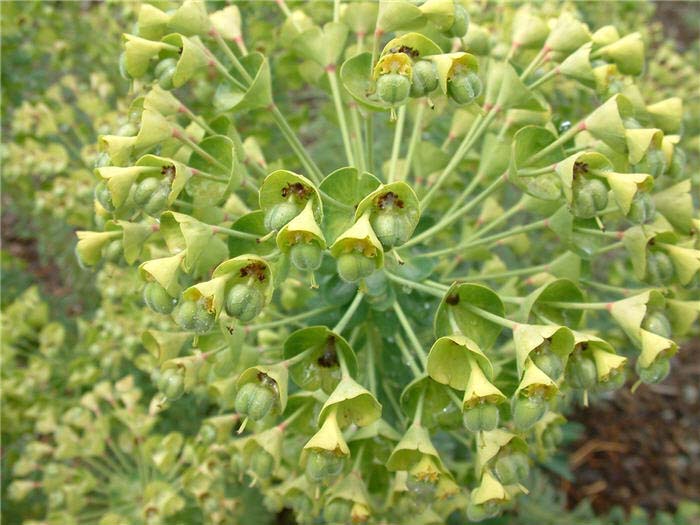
(372, 312)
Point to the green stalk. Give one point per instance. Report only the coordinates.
(369, 141)
(356, 138)
(549, 75)
(181, 135)
(501, 321)
(408, 358)
(396, 146)
(410, 333)
(473, 184)
(449, 219)
(196, 119)
(415, 285)
(292, 319)
(340, 326)
(578, 306)
(235, 233)
(500, 275)
(487, 240)
(563, 139)
(309, 165)
(464, 147)
(371, 370)
(536, 61)
(500, 219)
(233, 58)
(340, 112)
(415, 137)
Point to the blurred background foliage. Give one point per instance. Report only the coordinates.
(66, 335)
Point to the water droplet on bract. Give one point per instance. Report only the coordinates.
(564, 126)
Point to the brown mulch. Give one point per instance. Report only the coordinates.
(642, 449)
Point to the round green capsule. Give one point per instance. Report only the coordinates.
(254, 401)
(244, 302)
(171, 383)
(158, 299)
(657, 323)
(581, 372)
(642, 209)
(262, 464)
(144, 190)
(392, 229)
(660, 268)
(280, 214)
(482, 512)
(550, 363)
(590, 196)
(656, 372)
(104, 197)
(306, 257)
(113, 251)
(323, 465)
(337, 511)
(527, 411)
(513, 468)
(193, 316)
(464, 88)
(481, 418)
(461, 22)
(164, 72)
(393, 88)
(425, 78)
(354, 266)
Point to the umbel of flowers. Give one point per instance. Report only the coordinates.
(398, 324)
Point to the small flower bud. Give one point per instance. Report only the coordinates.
(280, 214)
(194, 316)
(481, 418)
(254, 400)
(171, 383)
(244, 302)
(158, 299)
(463, 88)
(354, 266)
(393, 88)
(425, 78)
(528, 410)
(306, 257)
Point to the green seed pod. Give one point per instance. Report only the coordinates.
(425, 78)
(306, 257)
(654, 163)
(488, 510)
(660, 268)
(581, 372)
(463, 88)
(657, 323)
(262, 463)
(642, 209)
(550, 363)
(158, 201)
(677, 166)
(194, 316)
(113, 251)
(244, 302)
(354, 266)
(157, 299)
(481, 418)
(393, 88)
(164, 72)
(127, 130)
(655, 372)
(392, 229)
(616, 379)
(104, 197)
(527, 411)
(513, 469)
(337, 511)
(461, 22)
(323, 465)
(207, 434)
(631, 123)
(590, 196)
(254, 400)
(144, 190)
(171, 383)
(552, 436)
(280, 214)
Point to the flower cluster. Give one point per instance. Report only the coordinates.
(390, 341)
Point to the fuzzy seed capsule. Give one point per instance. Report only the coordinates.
(354, 266)
(262, 463)
(463, 88)
(280, 214)
(244, 302)
(393, 88)
(425, 78)
(113, 251)
(461, 22)
(527, 411)
(481, 418)
(306, 257)
(550, 363)
(158, 299)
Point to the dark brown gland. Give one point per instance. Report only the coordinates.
(580, 168)
(256, 269)
(452, 300)
(406, 50)
(168, 170)
(329, 358)
(388, 200)
(297, 189)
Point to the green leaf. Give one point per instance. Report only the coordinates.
(455, 305)
(192, 58)
(165, 271)
(527, 142)
(560, 290)
(356, 76)
(419, 43)
(323, 46)
(414, 444)
(253, 222)
(208, 192)
(352, 403)
(395, 15)
(229, 97)
(451, 358)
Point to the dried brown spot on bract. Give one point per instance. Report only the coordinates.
(256, 269)
(329, 358)
(297, 189)
(389, 200)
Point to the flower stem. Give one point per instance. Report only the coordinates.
(410, 333)
(292, 319)
(409, 359)
(396, 146)
(563, 139)
(415, 137)
(415, 285)
(502, 321)
(340, 112)
(309, 165)
(549, 75)
(340, 326)
(356, 138)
